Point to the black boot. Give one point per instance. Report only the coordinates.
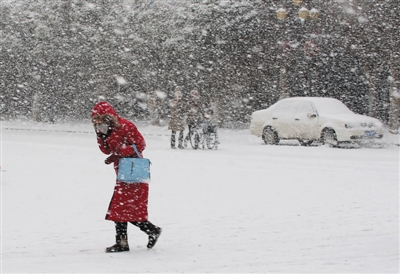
(173, 139)
(121, 239)
(153, 231)
(181, 140)
(153, 237)
(120, 246)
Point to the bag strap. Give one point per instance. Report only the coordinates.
(137, 152)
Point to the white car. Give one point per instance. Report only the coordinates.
(310, 119)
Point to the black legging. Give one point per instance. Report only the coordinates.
(173, 138)
(147, 227)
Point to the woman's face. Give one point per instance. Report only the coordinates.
(102, 123)
(103, 127)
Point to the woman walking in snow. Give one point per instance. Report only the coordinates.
(177, 119)
(115, 137)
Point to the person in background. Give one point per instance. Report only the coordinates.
(115, 137)
(210, 127)
(195, 112)
(177, 119)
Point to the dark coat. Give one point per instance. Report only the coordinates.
(196, 110)
(129, 201)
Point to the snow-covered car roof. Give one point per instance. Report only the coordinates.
(324, 105)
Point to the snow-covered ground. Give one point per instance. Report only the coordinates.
(245, 207)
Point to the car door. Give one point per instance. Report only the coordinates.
(305, 121)
(283, 118)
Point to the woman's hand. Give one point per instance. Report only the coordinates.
(111, 159)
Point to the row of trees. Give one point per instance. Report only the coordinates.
(59, 56)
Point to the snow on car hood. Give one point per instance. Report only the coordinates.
(352, 118)
(335, 109)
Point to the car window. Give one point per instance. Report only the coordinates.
(285, 108)
(302, 108)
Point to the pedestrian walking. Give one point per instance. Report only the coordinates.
(195, 113)
(177, 120)
(115, 137)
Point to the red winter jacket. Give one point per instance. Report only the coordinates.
(129, 202)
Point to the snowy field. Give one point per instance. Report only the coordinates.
(245, 207)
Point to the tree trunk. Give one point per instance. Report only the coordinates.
(372, 94)
(35, 107)
(283, 84)
(394, 110)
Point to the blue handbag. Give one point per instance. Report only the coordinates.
(134, 170)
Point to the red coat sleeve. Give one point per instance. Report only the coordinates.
(103, 146)
(132, 136)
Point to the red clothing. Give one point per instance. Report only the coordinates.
(129, 201)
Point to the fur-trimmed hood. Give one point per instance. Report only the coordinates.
(102, 108)
(103, 111)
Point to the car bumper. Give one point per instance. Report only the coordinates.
(359, 134)
(255, 130)
(361, 137)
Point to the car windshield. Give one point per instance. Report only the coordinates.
(331, 106)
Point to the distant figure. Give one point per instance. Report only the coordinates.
(194, 111)
(115, 137)
(153, 105)
(209, 125)
(177, 119)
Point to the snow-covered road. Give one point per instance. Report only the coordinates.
(245, 207)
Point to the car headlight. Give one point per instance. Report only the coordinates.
(377, 124)
(361, 125)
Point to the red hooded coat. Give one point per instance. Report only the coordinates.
(129, 201)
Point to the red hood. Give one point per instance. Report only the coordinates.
(102, 108)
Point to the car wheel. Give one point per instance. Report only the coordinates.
(328, 137)
(305, 143)
(270, 136)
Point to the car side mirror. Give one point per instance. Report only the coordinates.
(311, 115)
